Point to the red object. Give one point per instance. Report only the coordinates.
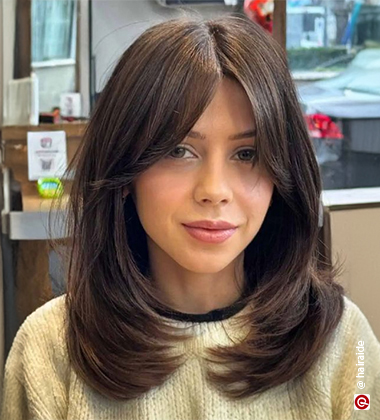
(260, 11)
(69, 119)
(57, 115)
(322, 127)
(362, 401)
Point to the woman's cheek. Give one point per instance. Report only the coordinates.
(257, 195)
(160, 187)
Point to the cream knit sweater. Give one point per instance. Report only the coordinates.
(39, 383)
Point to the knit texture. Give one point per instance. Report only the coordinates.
(39, 383)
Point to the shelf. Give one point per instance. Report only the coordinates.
(33, 222)
(18, 134)
(24, 225)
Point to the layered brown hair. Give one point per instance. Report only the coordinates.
(117, 342)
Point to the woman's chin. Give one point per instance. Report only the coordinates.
(205, 267)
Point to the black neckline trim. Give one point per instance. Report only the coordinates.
(212, 316)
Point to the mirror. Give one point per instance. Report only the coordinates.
(53, 49)
(39, 38)
(54, 40)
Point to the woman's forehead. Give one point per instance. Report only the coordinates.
(229, 109)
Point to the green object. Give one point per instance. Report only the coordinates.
(49, 187)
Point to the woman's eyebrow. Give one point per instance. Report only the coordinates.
(244, 135)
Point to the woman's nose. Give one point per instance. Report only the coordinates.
(212, 185)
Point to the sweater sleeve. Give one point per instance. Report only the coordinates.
(36, 370)
(356, 344)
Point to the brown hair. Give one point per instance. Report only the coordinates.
(160, 87)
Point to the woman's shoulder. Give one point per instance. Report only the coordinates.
(48, 318)
(354, 321)
(37, 369)
(41, 335)
(354, 329)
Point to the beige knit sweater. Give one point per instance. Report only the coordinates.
(39, 383)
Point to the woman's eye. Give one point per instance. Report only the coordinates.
(247, 155)
(179, 152)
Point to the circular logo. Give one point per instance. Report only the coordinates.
(362, 402)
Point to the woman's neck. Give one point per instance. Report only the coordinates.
(196, 293)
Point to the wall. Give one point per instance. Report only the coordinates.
(83, 48)
(116, 24)
(356, 238)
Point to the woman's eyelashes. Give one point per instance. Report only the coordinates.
(246, 155)
(249, 155)
(182, 150)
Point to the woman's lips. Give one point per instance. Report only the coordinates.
(214, 236)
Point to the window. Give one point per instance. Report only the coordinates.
(334, 54)
(53, 30)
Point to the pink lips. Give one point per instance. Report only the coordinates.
(210, 231)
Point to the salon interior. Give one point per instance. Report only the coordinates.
(55, 58)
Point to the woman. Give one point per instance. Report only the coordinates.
(194, 286)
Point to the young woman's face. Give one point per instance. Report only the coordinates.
(207, 177)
